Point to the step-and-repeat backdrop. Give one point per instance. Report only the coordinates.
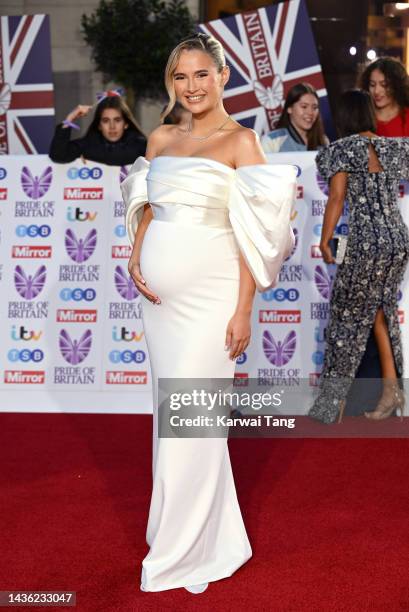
(71, 334)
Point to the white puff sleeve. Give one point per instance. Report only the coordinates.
(135, 195)
(260, 206)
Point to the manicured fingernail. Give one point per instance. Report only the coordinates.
(158, 302)
(226, 348)
(143, 281)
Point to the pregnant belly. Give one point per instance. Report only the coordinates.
(181, 258)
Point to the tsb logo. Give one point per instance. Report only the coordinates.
(25, 355)
(318, 358)
(342, 229)
(43, 231)
(84, 173)
(127, 356)
(3, 173)
(120, 231)
(241, 359)
(280, 295)
(77, 295)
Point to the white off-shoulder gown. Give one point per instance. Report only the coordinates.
(203, 213)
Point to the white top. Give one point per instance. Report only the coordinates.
(258, 200)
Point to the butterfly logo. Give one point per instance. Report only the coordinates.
(123, 173)
(80, 249)
(36, 186)
(75, 351)
(295, 232)
(270, 97)
(5, 98)
(322, 184)
(323, 282)
(29, 286)
(279, 353)
(125, 285)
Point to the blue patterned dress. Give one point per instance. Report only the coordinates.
(374, 264)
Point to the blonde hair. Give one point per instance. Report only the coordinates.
(196, 42)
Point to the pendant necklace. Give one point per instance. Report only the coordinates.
(189, 130)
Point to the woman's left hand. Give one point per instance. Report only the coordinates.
(326, 253)
(238, 334)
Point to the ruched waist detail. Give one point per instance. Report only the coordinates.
(196, 215)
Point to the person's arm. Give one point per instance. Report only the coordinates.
(248, 152)
(155, 144)
(333, 210)
(62, 149)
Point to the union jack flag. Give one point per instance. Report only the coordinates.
(268, 50)
(26, 89)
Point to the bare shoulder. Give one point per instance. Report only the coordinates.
(247, 147)
(159, 139)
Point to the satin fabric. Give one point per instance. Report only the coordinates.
(190, 258)
(258, 199)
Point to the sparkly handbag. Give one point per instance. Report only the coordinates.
(338, 245)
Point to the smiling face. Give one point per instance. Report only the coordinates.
(198, 84)
(379, 90)
(304, 112)
(112, 124)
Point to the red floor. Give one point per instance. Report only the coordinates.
(328, 519)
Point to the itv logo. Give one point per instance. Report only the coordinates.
(77, 214)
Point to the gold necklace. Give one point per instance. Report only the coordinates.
(189, 130)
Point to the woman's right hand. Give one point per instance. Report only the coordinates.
(140, 283)
(79, 111)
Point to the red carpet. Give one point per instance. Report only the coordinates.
(327, 519)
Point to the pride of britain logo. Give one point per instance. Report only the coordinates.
(75, 351)
(323, 282)
(29, 286)
(279, 352)
(125, 285)
(295, 232)
(80, 249)
(35, 187)
(322, 184)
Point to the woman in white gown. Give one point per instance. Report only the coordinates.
(216, 226)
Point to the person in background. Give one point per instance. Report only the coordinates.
(387, 82)
(300, 126)
(365, 169)
(177, 116)
(113, 138)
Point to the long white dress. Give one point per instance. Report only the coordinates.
(203, 213)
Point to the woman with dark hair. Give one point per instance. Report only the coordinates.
(365, 170)
(113, 138)
(387, 82)
(300, 126)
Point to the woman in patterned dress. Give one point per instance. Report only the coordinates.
(366, 170)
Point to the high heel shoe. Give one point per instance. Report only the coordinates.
(395, 400)
(197, 588)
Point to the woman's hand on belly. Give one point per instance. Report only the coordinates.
(238, 334)
(136, 274)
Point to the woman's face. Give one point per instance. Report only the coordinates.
(198, 84)
(304, 112)
(112, 124)
(378, 89)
